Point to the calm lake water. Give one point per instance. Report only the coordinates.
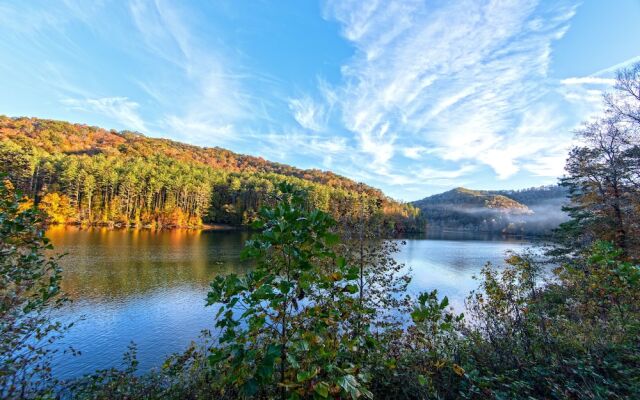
(150, 286)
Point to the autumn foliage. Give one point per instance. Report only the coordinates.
(124, 178)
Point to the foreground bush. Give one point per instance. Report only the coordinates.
(286, 328)
(29, 290)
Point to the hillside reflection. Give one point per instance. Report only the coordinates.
(102, 263)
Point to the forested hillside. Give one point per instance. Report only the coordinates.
(83, 174)
(527, 211)
(536, 195)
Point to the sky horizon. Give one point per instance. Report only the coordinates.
(412, 97)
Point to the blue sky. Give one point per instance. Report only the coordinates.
(413, 97)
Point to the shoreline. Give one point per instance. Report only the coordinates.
(115, 226)
(445, 233)
(431, 233)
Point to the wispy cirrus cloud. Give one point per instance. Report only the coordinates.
(587, 80)
(120, 109)
(585, 92)
(186, 87)
(433, 175)
(616, 67)
(209, 95)
(462, 79)
(280, 146)
(308, 113)
(414, 152)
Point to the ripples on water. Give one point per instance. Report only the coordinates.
(150, 286)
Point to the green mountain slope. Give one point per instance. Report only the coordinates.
(85, 174)
(467, 199)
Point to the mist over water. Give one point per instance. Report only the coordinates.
(549, 212)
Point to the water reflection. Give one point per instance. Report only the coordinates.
(105, 263)
(450, 265)
(149, 286)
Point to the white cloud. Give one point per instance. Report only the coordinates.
(433, 92)
(588, 80)
(460, 80)
(192, 90)
(440, 174)
(585, 92)
(540, 132)
(162, 31)
(414, 153)
(121, 109)
(209, 97)
(308, 113)
(548, 165)
(280, 146)
(195, 130)
(618, 66)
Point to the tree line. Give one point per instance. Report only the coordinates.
(86, 175)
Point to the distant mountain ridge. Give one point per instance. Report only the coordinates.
(468, 198)
(528, 211)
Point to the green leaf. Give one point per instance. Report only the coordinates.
(349, 384)
(273, 350)
(265, 370)
(303, 376)
(264, 292)
(351, 289)
(331, 239)
(445, 302)
(322, 389)
(217, 356)
(353, 273)
(284, 287)
(417, 316)
(292, 360)
(250, 388)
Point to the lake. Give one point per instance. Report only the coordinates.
(150, 286)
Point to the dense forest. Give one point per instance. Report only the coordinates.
(532, 211)
(82, 174)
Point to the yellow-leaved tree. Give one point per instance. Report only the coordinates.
(57, 207)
